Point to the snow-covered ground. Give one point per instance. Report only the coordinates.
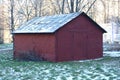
(58, 72)
(112, 53)
(106, 68)
(6, 46)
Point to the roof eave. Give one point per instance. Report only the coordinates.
(31, 32)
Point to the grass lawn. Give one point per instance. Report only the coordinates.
(107, 68)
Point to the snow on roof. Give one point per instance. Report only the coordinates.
(46, 24)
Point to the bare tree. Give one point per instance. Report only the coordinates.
(69, 6)
(37, 5)
(119, 8)
(1, 26)
(26, 9)
(57, 6)
(12, 14)
(91, 6)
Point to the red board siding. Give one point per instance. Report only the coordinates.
(42, 44)
(79, 46)
(78, 40)
(95, 46)
(64, 46)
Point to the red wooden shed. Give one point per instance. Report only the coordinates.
(64, 37)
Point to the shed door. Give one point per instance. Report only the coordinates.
(79, 46)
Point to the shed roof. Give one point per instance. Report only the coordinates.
(46, 24)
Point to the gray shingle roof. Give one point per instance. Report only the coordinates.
(47, 24)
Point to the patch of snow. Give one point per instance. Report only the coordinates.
(112, 53)
(6, 49)
(69, 77)
(88, 60)
(46, 71)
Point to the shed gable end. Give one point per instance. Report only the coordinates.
(93, 22)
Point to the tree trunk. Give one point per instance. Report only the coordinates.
(12, 14)
(63, 6)
(71, 6)
(91, 6)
